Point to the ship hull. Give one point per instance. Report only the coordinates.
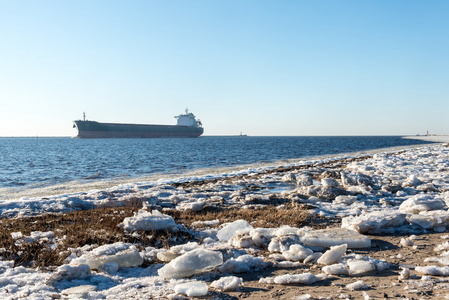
(92, 129)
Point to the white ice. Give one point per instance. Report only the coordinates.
(144, 220)
(357, 286)
(243, 264)
(192, 288)
(433, 270)
(228, 283)
(239, 226)
(335, 236)
(123, 254)
(304, 278)
(332, 255)
(297, 252)
(193, 262)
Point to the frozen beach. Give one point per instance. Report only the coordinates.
(370, 226)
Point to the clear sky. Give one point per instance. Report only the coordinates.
(260, 67)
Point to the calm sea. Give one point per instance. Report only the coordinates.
(30, 162)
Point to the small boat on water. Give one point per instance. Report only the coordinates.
(187, 126)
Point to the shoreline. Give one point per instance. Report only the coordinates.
(77, 186)
(399, 200)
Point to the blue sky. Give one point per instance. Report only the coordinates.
(261, 67)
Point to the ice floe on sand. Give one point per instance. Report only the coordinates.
(387, 193)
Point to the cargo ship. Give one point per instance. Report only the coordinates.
(187, 126)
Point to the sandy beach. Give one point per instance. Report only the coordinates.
(256, 234)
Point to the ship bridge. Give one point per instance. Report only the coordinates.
(188, 119)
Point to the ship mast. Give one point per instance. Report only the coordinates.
(84, 116)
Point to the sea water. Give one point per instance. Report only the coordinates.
(33, 163)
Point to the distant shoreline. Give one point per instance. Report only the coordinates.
(430, 138)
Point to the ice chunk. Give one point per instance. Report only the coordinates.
(79, 292)
(288, 177)
(421, 202)
(297, 252)
(433, 270)
(374, 222)
(304, 180)
(333, 255)
(109, 268)
(283, 243)
(304, 278)
(336, 269)
(357, 286)
(441, 247)
(241, 240)
(191, 263)
(69, 272)
(285, 230)
(335, 236)
(144, 220)
(228, 283)
(261, 236)
(430, 219)
(124, 254)
(303, 297)
(175, 251)
(404, 274)
(243, 264)
(360, 267)
(406, 242)
(329, 183)
(312, 258)
(239, 226)
(16, 235)
(192, 289)
(412, 181)
(348, 200)
(192, 206)
(444, 259)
